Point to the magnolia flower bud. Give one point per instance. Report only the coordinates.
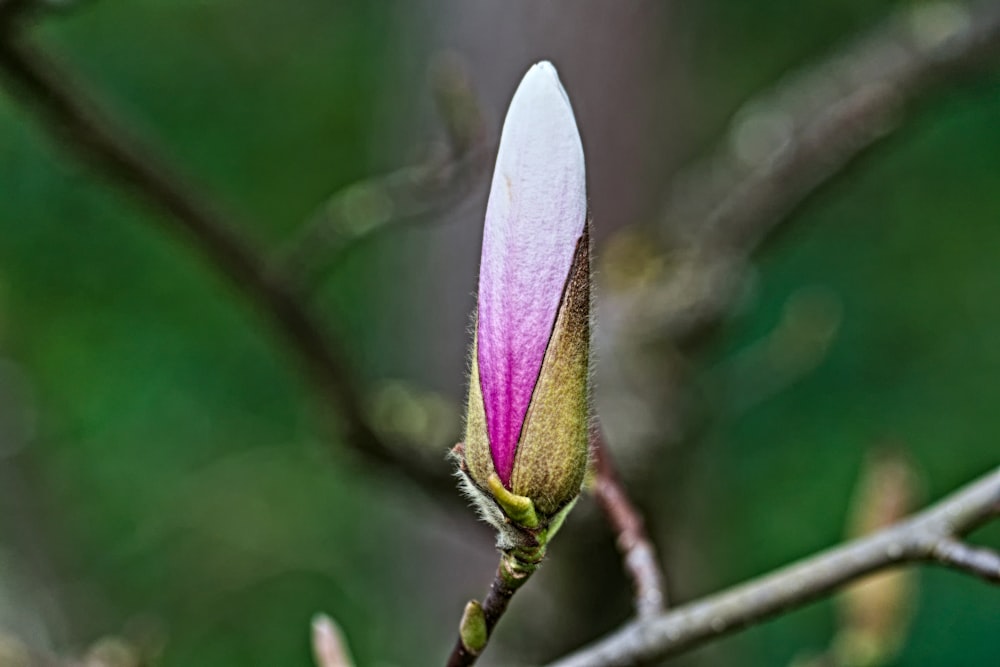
(525, 451)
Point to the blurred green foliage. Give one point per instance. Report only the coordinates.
(177, 458)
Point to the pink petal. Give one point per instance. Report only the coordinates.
(536, 213)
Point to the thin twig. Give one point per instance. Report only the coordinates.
(639, 557)
(494, 606)
(511, 574)
(410, 195)
(637, 550)
(915, 540)
(981, 562)
(71, 114)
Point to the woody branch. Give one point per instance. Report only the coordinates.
(928, 537)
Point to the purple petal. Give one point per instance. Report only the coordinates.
(535, 215)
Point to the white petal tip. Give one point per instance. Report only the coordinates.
(544, 67)
(542, 78)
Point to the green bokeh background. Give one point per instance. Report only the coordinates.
(177, 473)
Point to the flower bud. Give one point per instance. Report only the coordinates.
(329, 645)
(472, 629)
(528, 414)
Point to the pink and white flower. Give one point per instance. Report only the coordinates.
(528, 399)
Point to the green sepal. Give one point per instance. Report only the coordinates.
(520, 509)
(556, 522)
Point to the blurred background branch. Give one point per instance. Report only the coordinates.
(88, 131)
(783, 145)
(420, 193)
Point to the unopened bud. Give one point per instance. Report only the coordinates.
(525, 451)
(329, 645)
(472, 629)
